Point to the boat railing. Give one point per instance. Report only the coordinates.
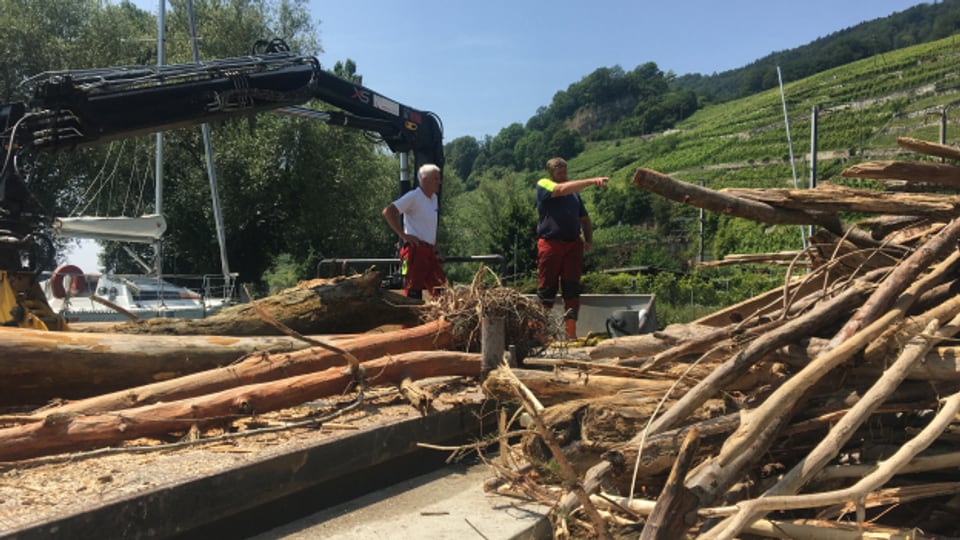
(214, 290)
(220, 288)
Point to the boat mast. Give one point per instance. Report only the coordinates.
(158, 161)
(211, 170)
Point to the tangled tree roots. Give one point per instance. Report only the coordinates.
(527, 325)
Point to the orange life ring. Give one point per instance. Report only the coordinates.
(77, 285)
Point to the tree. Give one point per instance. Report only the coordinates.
(498, 217)
(347, 70)
(461, 153)
(501, 150)
(566, 143)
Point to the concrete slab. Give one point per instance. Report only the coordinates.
(445, 504)
(200, 493)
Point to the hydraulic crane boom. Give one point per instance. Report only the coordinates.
(79, 107)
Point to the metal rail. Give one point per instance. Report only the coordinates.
(496, 261)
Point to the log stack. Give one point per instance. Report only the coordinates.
(257, 382)
(825, 409)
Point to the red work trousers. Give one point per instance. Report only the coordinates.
(421, 270)
(559, 267)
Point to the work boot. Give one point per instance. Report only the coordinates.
(571, 328)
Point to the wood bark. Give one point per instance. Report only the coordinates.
(39, 366)
(708, 199)
(67, 432)
(320, 306)
(669, 517)
(834, 198)
(912, 171)
(929, 148)
(421, 399)
(883, 226)
(261, 368)
(556, 388)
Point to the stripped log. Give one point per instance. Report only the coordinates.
(553, 388)
(912, 171)
(39, 366)
(261, 368)
(647, 344)
(67, 432)
(708, 199)
(929, 148)
(833, 198)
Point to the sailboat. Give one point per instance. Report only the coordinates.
(79, 296)
(86, 297)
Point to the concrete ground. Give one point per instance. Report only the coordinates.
(446, 504)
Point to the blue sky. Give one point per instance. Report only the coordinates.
(484, 65)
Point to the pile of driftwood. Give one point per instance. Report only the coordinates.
(825, 409)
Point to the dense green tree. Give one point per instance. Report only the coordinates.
(461, 153)
(347, 70)
(565, 143)
(532, 150)
(499, 217)
(500, 151)
(627, 205)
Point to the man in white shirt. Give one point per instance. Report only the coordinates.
(420, 263)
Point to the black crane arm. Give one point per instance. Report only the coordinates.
(78, 107)
(89, 106)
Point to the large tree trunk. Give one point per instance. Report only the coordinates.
(66, 432)
(912, 171)
(708, 199)
(320, 306)
(929, 148)
(553, 388)
(833, 198)
(261, 368)
(40, 365)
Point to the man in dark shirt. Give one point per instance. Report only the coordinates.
(560, 246)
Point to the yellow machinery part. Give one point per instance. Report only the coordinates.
(23, 304)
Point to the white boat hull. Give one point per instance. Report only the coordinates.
(75, 296)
